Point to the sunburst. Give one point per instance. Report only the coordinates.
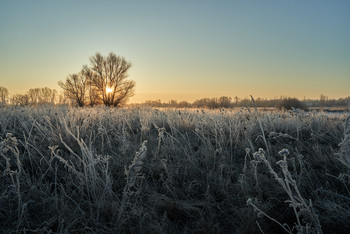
(109, 90)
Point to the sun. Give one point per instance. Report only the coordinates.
(109, 90)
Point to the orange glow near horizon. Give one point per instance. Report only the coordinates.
(243, 49)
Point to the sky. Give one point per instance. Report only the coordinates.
(183, 49)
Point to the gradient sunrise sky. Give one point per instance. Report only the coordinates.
(184, 49)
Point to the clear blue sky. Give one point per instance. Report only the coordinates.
(184, 49)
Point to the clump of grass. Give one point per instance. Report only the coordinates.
(68, 170)
(134, 178)
(344, 154)
(307, 219)
(8, 147)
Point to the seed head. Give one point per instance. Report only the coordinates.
(249, 201)
(284, 152)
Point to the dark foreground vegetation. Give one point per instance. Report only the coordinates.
(106, 170)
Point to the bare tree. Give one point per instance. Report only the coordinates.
(4, 93)
(109, 75)
(48, 96)
(20, 100)
(42, 96)
(105, 81)
(92, 91)
(75, 88)
(225, 102)
(34, 96)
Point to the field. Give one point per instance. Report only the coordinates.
(140, 170)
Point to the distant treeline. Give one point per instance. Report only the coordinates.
(47, 96)
(228, 102)
(35, 97)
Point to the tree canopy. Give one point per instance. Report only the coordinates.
(104, 81)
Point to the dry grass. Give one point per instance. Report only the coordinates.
(106, 170)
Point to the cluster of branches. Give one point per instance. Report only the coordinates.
(103, 82)
(228, 102)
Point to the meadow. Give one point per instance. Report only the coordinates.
(143, 170)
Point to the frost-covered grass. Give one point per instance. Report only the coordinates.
(106, 170)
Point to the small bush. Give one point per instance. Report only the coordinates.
(290, 103)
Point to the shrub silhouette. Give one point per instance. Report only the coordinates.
(290, 103)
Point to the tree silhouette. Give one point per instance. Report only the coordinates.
(105, 81)
(20, 100)
(75, 88)
(110, 73)
(40, 96)
(4, 93)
